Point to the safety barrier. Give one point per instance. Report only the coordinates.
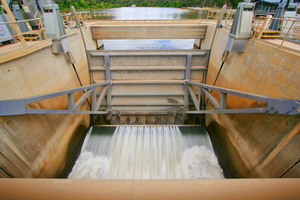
(38, 34)
(288, 28)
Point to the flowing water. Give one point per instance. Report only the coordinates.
(136, 152)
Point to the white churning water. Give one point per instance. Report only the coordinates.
(136, 152)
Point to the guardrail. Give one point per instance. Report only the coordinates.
(20, 35)
(82, 16)
(228, 16)
(288, 28)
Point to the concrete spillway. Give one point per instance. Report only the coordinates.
(138, 152)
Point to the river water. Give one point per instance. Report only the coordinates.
(147, 13)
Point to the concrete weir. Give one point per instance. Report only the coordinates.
(150, 97)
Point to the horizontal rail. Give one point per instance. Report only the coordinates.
(149, 68)
(19, 21)
(148, 31)
(24, 33)
(149, 53)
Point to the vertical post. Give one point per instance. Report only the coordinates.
(223, 100)
(287, 33)
(264, 26)
(187, 78)
(71, 101)
(83, 40)
(42, 28)
(14, 23)
(218, 24)
(199, 98)
(79, 26)
(94, 99)
(108, 78)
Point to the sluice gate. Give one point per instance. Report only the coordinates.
(149, 87)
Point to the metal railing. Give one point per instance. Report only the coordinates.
(41, 34)
(289, 28)
(20, 35)
(228, 16)
(69, 17)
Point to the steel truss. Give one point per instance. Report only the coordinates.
(18, 106)
(275, 105)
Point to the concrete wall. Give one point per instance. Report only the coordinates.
(255, 145)
(38, 145)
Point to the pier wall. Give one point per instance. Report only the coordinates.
(37, 145)
(255, 145)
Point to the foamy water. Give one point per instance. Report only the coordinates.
(146, 153)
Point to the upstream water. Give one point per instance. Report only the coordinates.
(135, 152)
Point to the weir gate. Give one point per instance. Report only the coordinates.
(149, 86)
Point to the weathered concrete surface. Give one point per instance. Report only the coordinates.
(68, 189)
(38, 145)
(261, 145)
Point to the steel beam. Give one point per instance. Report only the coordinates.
(150, 52)
(275, 105)
(17, 106)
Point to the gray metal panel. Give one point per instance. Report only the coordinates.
(12, 107)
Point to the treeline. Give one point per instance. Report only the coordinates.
(90, 4)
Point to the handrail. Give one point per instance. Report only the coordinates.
(287, 25)
(16, 28)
